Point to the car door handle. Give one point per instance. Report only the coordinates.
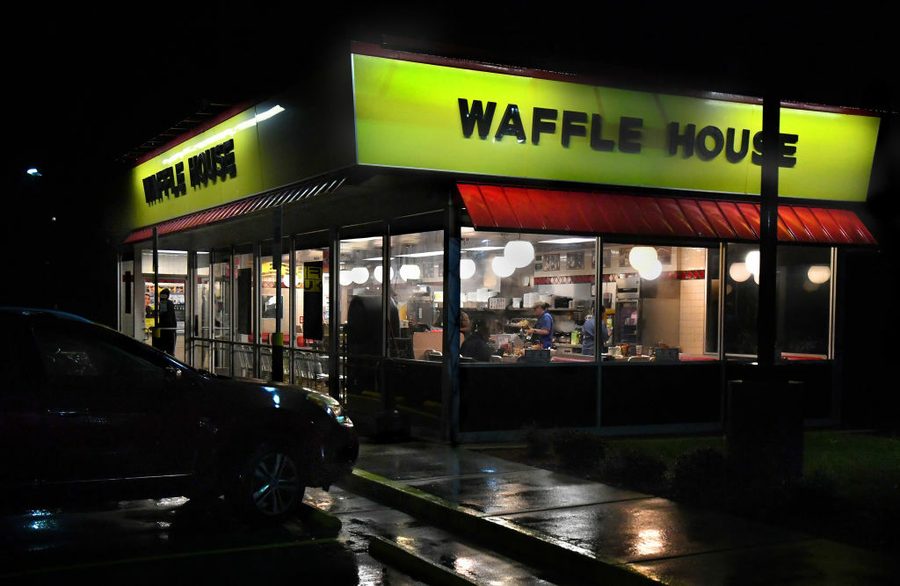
(67, 413)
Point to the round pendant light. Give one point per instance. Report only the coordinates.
(642, 257)
(411, 272)
(502, 267)
(739, 272)
(345, 277)
(359, 275)
(466, 268)
(519, 253)
(752, 262)
(378, 273)
(819, 274)
(652, 271)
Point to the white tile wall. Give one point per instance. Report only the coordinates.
(693, 309)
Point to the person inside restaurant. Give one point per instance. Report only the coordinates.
(543, 328)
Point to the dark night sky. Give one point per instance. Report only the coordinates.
(84, 88)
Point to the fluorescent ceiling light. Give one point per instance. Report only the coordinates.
(373, 258)
(567, 240)
(482, 248)
(223, 135)
(366, 239)
(422, 254)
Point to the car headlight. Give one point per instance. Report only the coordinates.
(331, 406)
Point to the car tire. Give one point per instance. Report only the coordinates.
(268, 485)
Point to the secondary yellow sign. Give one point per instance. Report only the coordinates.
(219, 165)
(422, 116)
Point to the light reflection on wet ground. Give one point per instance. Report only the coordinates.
(153, 541)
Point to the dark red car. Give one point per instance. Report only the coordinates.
(88, 412)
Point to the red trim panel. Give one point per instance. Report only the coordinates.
(521, 209)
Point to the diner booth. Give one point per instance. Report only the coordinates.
(396, 260)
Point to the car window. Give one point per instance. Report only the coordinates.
(16, 363)
(86, 369)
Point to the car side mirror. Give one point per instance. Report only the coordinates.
(173, 374)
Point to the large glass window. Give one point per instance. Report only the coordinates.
(802, 304)
(527, 297)
(222, 312)
(656, 300)
(360, 310)
(311, 307)
(202, 307)
(417, 278)
(270, 290)
(244, 352)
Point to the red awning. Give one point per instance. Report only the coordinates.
(238, 208)
(517, 208)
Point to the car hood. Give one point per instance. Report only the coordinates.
(258, 393)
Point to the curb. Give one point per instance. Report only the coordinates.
(322, 523)
(413, 565)
(529, 547)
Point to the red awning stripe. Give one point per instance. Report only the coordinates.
(234, 209)
(514, 208)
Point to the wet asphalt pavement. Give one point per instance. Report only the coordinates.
(169, 540)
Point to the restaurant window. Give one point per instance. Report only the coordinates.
(311, 307)
(504, 276)
(417, 277)
(361, 315)
(270, 290)
(802, 303)
(656, 301)
(244, 308)
(222, 311)
(202, 328)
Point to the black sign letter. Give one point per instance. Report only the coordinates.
(686, 140)
(476, 115)
(511, 124)
(598, 143)
(573, 125)
(542, 120)
(630, 134)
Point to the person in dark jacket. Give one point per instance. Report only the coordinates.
(167, 324)
(477, 345)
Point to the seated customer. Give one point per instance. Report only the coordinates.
(477, 346)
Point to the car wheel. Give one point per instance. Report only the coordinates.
(268, 484)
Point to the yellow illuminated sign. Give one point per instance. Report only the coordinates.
(219, 165)
(422, 116)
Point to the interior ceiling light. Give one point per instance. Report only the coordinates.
(466, 268)
(502, 267)
(739, 272)
(519, 253)
(482, 248)
(642, 258)
(359, 275)
(819, 274)
(379, 273)
(411, 272)
(651, 271)
(752, 260)
(422, 254)
(566, 240)
(345, 277)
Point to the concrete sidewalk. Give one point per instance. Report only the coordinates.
(591, 530)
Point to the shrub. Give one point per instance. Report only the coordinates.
(578, 449)
(538, 440)
(700, 476)
(638, 470)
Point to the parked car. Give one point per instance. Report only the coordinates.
(88, 412)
